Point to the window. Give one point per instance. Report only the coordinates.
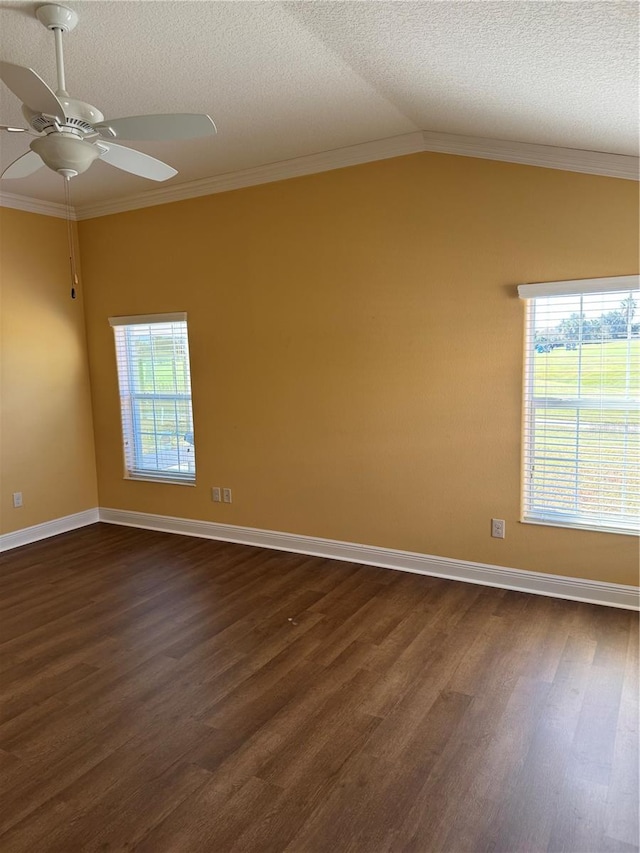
(581, 404)
(152, 354)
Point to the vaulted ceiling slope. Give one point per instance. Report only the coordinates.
(290, 79)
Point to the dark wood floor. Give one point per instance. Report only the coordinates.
(168, 694)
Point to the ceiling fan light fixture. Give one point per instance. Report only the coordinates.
(65, 153)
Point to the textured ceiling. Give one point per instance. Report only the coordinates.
(282, 80)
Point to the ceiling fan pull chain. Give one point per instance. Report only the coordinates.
(72, 254)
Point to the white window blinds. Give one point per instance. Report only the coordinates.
(152, 355)
(581, 404)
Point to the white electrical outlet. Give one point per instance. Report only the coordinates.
(216, 494)
(497, 528)
(17, 500)
(226, 496)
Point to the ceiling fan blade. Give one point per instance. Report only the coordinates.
(14, 129)
(23, 166)
(158, 127)
(135, 162)
(31, 89)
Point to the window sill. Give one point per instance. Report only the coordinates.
(566, 525)
(165, 480)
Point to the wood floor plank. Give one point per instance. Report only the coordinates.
(623, 805)
(378, 801)
(167, 694)
(45, 682)
(188, 829)
(484, 741)
(122, 823)
(96, 797)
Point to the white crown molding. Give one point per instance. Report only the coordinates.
(367, 152)
(545, 156)
(48, 528)
(555, 586)
(34, 205)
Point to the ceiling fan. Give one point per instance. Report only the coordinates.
(72, 134)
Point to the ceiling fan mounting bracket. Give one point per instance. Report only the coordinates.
(55, 17)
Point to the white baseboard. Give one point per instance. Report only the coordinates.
(48, 528)
(556, 586)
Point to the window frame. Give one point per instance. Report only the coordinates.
(129, 417)
(529, 293)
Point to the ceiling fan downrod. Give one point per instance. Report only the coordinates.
(62, 85)
(60, 20)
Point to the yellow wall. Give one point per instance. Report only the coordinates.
(356, 349)
(46, 433)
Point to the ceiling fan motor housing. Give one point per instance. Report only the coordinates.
(65, 153)
(79, 116)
